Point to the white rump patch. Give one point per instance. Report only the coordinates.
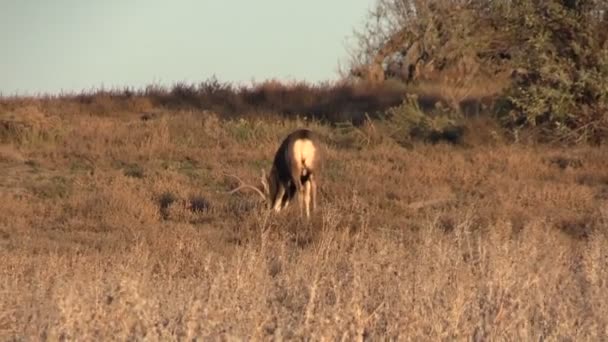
(304, 152)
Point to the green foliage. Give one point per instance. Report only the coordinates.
(555, 50)
(348, 135)
(564, 90)
(408, 122)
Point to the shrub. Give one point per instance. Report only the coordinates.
(407, 122)
(556, 49)
(564, 85)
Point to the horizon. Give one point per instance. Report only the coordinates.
(68, 47)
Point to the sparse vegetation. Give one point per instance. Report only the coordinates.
(450, 207)
(429, 242)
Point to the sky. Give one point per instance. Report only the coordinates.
(73, 45)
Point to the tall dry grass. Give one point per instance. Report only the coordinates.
(114, 227)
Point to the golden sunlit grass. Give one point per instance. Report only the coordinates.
(114, 227)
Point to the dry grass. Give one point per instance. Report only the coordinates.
(114, 227)
(330, 101)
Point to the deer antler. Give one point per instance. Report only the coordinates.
(244, 185)
(265, 182)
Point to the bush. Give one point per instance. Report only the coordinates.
(556, 50)
(27, 126)
(564, 87)
(407, 122)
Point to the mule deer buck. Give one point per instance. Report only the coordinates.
(294, 172)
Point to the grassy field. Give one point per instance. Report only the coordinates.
(115, 227)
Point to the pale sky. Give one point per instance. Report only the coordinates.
(72, 45)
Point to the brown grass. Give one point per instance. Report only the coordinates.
(330, 101)
(114, 227)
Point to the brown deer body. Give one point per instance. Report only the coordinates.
(295, 172)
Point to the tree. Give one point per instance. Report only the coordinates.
(555, 49)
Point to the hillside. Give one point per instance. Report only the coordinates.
(116, 225)
(463, 193)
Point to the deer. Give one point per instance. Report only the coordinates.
(294, 172)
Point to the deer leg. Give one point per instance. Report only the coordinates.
(285, 201)
(307, 190)
(289, 192)
(279, 198)
(301, 201)
(313, 188)
(295, 177)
